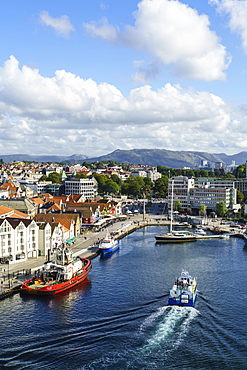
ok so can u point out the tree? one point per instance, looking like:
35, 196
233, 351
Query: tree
240, 196
177, 206
81, 176
221, 209
111, 186
134, 186
43, 178
101, 180
161, 187
88, 165
240, 171
116, 179
202, 209
54, 177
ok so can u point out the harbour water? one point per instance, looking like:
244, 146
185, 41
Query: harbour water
119, 318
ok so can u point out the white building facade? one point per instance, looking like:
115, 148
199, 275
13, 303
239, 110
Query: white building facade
88, 188
18, 239
192, 192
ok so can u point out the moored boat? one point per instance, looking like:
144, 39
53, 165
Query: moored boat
108, 244
65, 272
176, 237
200, 231
184, 291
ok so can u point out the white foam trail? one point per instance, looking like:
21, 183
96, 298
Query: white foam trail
150, 319
174, 326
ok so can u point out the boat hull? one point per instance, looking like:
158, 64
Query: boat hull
111, 249
175, 239
28, 287
178, 302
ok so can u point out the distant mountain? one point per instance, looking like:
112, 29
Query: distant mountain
162, 157
75, 158
239, 158
151, 157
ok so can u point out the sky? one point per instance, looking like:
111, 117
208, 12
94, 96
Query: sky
92, 76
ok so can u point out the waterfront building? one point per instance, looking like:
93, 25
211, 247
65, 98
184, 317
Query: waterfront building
192, 192
210, 196
181, 188
18, 239
69, 221
45, 240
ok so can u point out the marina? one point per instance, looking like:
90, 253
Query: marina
119, 316
87, 248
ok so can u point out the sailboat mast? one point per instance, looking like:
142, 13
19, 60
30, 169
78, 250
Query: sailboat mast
171, 207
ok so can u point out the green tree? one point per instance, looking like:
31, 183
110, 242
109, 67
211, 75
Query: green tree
240, 196
202, 209
81, 176
54, 177
116, 179
161, 187
134, 186
43, 178
88, 165
240, 171
101, 180
177, 206
221, 209
111, 186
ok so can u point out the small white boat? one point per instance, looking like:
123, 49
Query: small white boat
200, 231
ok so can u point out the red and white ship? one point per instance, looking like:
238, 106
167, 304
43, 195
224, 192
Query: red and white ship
55, 277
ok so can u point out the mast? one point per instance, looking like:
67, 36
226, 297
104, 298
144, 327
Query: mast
171, 207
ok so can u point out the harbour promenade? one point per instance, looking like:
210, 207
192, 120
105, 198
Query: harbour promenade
86, 245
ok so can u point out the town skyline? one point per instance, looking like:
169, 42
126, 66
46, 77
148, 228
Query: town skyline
95, 76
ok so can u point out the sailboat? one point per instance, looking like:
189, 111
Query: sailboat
175, 236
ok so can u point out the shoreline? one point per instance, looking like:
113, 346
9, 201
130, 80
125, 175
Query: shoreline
86, 247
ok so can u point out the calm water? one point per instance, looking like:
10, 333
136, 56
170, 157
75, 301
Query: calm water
119, 318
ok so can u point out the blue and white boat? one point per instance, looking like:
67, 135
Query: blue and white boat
184, 291
108, 244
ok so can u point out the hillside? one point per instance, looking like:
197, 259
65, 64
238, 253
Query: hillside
151, 157
162, 157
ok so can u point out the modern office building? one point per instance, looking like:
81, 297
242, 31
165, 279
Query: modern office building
88, 188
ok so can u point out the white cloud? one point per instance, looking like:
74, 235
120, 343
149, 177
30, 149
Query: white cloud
101, 29
48, 115
61, 25
176, 35
237, 11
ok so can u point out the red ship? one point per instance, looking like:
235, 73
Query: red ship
64, 273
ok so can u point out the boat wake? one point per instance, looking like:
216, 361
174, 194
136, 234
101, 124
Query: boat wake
172, 326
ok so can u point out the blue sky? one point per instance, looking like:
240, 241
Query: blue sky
89, 77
